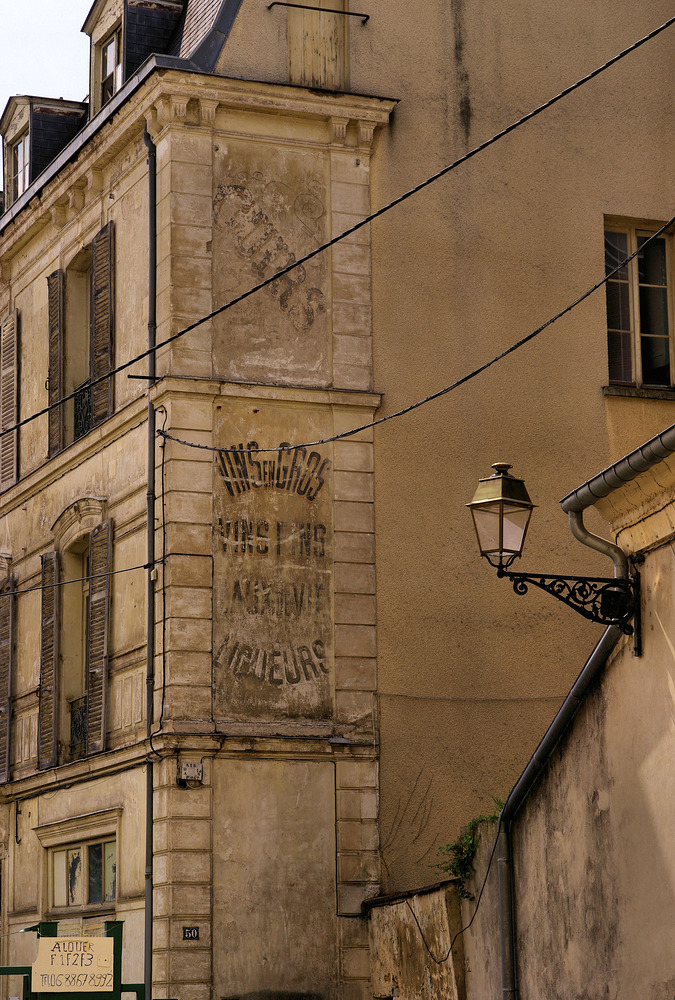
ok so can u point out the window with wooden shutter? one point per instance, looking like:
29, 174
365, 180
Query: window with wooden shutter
9, 400
56, 289
6, 662
318, 46
102, 316
49, 658
100, 551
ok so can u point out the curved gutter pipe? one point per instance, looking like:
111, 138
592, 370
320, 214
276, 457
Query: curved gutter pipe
574, 504
623, 471
150, 561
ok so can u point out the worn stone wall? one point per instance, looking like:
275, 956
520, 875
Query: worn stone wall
266, 634
411, 946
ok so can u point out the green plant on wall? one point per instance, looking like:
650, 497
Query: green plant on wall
460, 853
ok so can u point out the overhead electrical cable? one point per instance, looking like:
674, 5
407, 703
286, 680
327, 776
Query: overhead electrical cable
453, 385
356, 227
75, 579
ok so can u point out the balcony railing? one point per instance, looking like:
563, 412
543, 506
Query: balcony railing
82, 404
78, 727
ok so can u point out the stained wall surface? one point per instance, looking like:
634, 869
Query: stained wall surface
594, 867
464, 269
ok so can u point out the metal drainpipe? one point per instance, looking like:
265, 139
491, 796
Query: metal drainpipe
150, 528
539, 759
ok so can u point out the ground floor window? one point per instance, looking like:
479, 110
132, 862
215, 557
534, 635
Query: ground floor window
84, 874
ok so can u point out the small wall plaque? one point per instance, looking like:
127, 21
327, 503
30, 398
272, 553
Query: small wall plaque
191, 934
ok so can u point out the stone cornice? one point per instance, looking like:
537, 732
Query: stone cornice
177, 96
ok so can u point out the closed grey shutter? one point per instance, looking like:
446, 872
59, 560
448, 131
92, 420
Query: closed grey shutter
49, 659
6, 661
100, 558
9, 399
102, 300
56, 285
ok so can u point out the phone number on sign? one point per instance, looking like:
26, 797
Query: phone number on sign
77, 980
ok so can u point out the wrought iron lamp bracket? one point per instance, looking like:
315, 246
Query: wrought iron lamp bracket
606, 600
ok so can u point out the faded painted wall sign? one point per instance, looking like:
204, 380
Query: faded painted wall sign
73, 965
269, 209
272, 548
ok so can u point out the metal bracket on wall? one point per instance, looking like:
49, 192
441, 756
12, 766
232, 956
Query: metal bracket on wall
322, 10
605, 600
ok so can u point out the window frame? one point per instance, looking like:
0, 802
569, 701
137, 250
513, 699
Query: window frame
95, 333
84, 848
112, 82
80, 531
633, 230
82, 831
19, 175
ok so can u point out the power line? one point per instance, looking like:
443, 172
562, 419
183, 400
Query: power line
434, 958
448, 388
78, 579
356, 227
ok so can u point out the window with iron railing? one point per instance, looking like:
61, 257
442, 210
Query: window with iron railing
82, 410
78, 727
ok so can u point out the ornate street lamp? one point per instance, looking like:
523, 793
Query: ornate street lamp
501, 510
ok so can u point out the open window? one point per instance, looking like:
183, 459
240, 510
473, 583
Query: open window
74, 648
81, 321
111, 65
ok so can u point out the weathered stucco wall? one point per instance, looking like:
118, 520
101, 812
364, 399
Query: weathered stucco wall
461, 271
274, 879
594, 863
594, 847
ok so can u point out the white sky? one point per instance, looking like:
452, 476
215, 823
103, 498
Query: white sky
42, 49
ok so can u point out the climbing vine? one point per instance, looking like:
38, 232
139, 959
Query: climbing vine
460, 853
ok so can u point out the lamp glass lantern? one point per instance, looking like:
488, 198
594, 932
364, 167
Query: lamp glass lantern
501, 510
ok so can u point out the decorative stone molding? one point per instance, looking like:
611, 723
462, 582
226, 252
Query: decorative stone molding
94, 180
339, 130
207, 111
162, 109
178, 107
76, 199
79, 518
366, 132
103, 823
59, 214
5, 564
151, 122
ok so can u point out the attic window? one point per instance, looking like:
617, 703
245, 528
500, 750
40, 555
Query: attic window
19, 154
111, 65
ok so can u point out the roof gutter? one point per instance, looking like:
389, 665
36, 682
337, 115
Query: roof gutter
574, 504
623, 471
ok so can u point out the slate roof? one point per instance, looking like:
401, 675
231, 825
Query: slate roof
197, 20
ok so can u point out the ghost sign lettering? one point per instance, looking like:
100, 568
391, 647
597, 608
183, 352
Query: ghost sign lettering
272, 551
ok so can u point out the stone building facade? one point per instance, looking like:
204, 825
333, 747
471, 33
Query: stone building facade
321, 720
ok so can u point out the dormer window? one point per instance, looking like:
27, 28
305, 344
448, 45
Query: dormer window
19, 160
34, 130
111, 65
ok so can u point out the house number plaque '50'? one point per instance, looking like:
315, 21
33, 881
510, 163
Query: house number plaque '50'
191, 934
